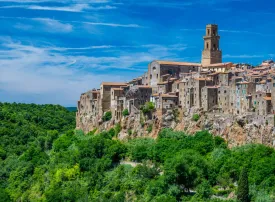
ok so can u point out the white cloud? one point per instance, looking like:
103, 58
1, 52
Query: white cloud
57, 1
69, 8
67, 24
108, 24
52, 25
243, 56
44, 75
32, 71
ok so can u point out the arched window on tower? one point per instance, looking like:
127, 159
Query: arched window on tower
208, 32
214, 47
214, 32
207, 45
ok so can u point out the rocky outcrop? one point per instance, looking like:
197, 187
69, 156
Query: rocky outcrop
234, 129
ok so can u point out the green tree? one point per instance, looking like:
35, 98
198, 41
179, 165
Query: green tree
243, 186
107, 116
204, 190
195, 117
125, 112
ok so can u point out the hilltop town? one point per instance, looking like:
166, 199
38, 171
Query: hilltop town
231, 100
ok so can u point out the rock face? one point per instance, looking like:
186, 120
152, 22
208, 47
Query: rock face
234, 129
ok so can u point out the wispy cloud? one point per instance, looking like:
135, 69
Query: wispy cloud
69, 8
243, 56
46, 72
230, 31
55, 25
47, 20
56, 1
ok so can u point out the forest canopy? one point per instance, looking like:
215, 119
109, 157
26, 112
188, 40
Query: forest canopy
43, 158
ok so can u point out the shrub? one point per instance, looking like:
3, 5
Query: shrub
130, 132
107, 116
148, 107
176, 114
125, 112
117, 128
196, 117
150, 128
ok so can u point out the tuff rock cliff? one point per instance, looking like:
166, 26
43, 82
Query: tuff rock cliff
236, 130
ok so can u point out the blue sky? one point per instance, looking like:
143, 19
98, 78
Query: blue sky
51, 51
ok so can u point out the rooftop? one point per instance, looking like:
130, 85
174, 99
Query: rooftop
113, 84
162, 62
168, 96
219, 65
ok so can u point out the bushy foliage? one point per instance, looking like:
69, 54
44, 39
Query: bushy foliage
125, 112
150, 128
195, 117
107, 116
148, 107
42, 158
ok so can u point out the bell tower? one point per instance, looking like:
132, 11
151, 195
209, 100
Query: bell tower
211, 53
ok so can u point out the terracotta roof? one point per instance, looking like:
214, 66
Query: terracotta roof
113, 84
219, 64
162, 62
168, 96
117, 88
267, 98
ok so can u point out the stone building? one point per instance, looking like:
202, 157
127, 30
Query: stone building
137, 96
105, 95
235, 90
262, 104
157, 69
242, 102
166, 102
117, 104
209, 97
224, 99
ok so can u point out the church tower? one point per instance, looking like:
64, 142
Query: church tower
211, 53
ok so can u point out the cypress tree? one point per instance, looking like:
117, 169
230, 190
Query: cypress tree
243, 186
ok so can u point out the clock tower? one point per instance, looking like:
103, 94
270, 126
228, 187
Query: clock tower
211, 53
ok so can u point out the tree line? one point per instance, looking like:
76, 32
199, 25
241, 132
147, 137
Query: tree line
43, 158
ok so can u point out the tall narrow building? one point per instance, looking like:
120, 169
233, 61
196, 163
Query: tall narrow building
211, 53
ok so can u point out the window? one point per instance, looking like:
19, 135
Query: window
157, 76
207, 45
214, 32
208, 32
150, 76
214, 46
154, 68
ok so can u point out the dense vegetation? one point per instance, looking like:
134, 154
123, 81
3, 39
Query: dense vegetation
42, 158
